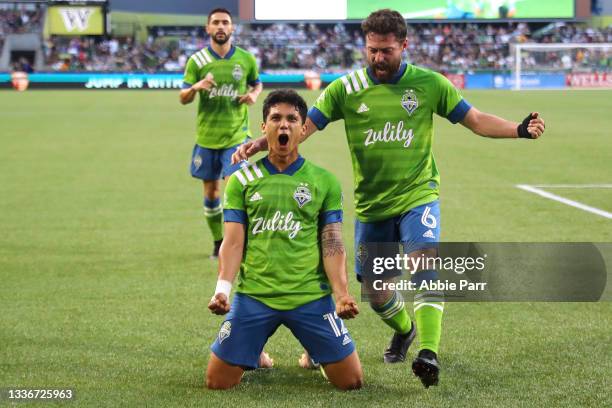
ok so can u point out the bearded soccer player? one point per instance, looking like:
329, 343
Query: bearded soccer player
388, 112
227, 80
283, 235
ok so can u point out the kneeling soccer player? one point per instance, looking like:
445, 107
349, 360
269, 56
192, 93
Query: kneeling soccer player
283, 223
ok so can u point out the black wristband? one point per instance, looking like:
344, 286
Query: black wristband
522, 128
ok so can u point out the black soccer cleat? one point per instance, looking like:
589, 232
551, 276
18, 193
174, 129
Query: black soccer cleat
215, 254
426, 367
396, 352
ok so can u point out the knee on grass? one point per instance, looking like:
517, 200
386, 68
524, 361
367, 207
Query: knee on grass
215, 382
221, 375
349, 382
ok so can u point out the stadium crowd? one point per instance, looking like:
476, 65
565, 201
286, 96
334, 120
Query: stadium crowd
442, 47
319, 47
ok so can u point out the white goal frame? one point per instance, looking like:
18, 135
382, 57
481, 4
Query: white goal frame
518, 48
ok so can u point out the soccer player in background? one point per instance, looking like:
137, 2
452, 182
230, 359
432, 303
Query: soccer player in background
388, 110
227, 79
289, 213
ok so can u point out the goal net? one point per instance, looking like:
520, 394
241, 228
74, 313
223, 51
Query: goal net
568, 65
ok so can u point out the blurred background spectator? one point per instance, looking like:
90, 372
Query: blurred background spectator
20, 19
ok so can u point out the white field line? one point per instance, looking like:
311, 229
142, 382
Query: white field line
567, 201
572, 185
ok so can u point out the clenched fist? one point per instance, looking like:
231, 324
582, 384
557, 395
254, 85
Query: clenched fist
346, 307
219, 304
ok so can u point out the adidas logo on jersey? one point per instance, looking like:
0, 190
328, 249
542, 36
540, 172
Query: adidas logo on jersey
429, 234
363, 108
256, 197
346, 340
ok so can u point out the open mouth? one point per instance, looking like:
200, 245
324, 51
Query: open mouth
283, 139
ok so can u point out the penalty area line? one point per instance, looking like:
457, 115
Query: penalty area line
563, 200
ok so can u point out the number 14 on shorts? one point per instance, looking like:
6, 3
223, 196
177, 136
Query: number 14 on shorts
333, 319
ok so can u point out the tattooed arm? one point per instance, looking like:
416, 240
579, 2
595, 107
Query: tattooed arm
334, 261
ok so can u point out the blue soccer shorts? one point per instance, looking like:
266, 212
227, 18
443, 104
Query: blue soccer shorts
213, 164
250, 323
417, 229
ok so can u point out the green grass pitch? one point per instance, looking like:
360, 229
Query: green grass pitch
105, 277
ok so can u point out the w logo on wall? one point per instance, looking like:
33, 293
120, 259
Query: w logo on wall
76, 18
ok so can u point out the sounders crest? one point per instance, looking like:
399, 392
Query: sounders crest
237, 72
226, 330
197, 161
302, 194
409, 101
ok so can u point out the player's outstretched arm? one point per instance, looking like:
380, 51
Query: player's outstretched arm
334, 262
487, 125
230, 256
253, 147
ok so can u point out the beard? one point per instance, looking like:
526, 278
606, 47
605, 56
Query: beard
384, 71
221, 38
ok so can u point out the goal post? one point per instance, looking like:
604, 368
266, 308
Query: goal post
584, 65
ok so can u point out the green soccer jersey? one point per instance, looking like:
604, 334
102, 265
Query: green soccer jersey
222, 121
389, 129
283, 214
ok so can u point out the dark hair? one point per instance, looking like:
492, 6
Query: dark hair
288, 96
385, 21
219, 10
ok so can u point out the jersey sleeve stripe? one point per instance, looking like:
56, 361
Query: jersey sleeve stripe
238, 216
363, 79
248, 173
197, 60
206, 57
330, 217
354, 81
200, 57
346, 84
257, 170
318, 118
459, 111
240, 177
